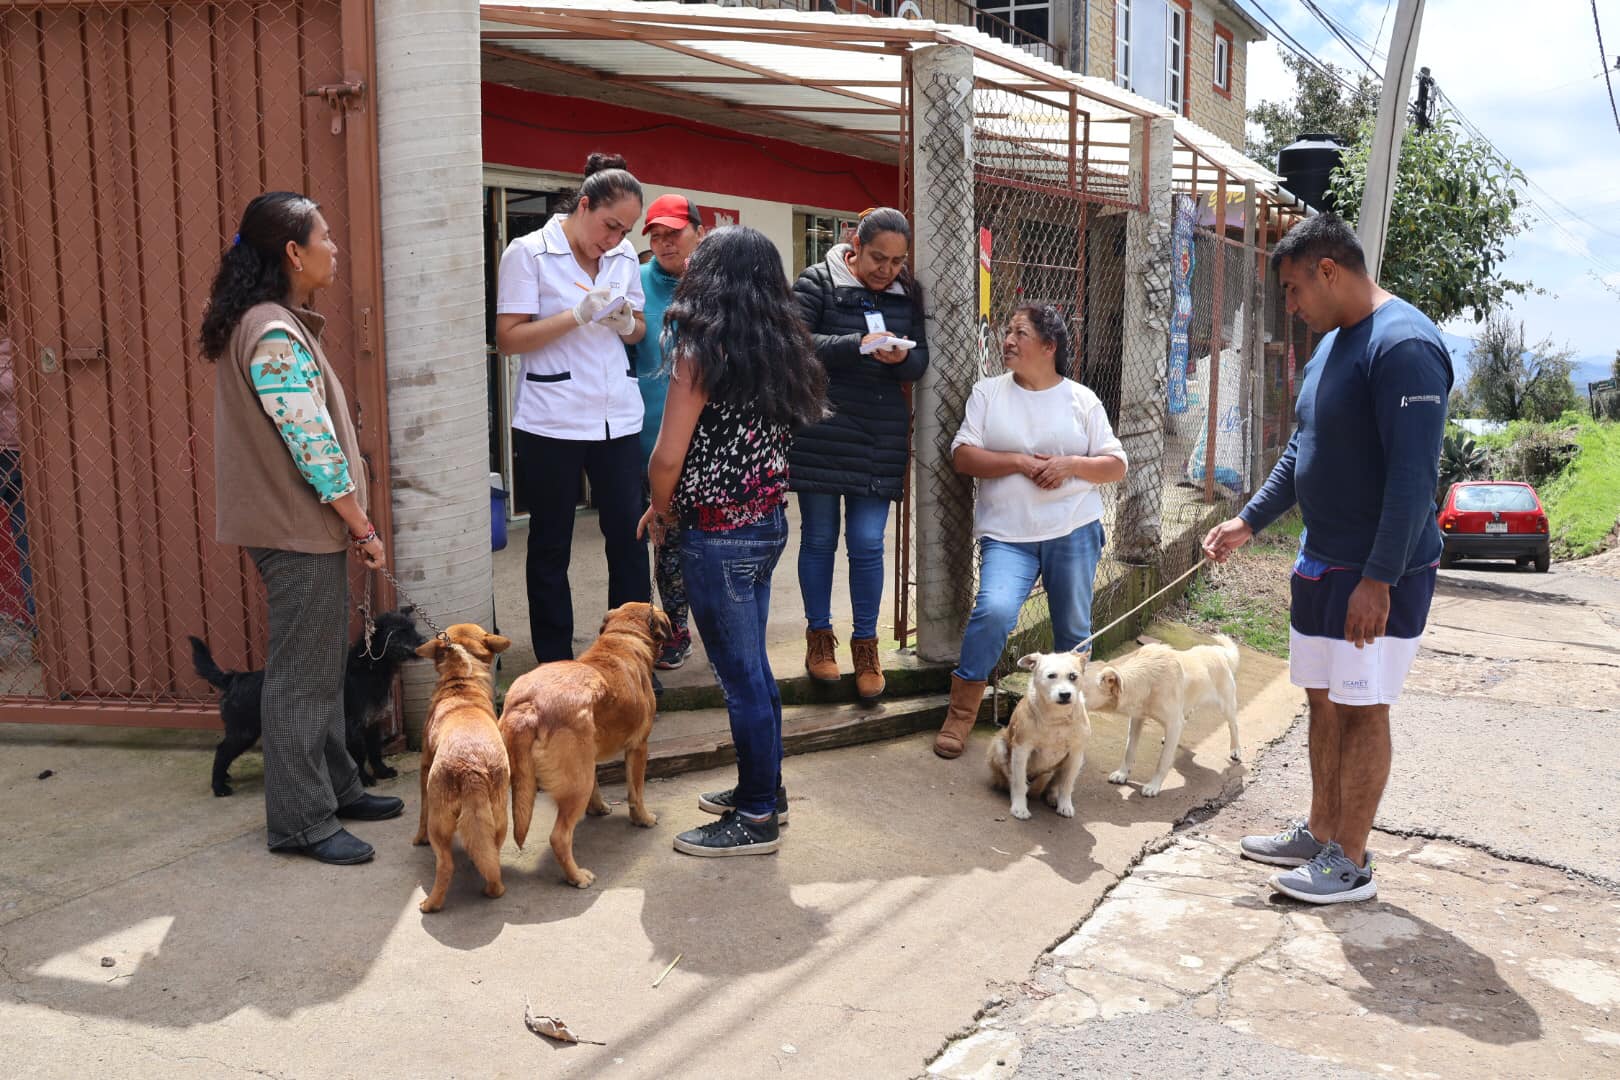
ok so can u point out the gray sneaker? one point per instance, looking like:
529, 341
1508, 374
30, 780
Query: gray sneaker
1330, 878
1294, 846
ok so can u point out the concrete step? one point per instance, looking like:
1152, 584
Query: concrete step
688, 740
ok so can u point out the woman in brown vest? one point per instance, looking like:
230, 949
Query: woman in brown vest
290, 489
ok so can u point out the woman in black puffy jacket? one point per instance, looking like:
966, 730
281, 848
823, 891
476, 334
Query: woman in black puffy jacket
860, 298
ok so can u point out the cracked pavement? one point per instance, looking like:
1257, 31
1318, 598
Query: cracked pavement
1493, 947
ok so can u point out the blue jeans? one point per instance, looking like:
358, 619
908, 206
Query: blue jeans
1007, 572
865, 519
728, 580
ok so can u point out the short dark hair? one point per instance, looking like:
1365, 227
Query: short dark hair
1322, 236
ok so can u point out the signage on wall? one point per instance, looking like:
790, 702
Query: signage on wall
1181, 269
716, 216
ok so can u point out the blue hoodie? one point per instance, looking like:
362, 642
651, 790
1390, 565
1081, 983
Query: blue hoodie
1364, 461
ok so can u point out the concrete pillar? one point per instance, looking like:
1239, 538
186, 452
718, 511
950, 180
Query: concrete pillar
947, 266
430, 157
1146, 343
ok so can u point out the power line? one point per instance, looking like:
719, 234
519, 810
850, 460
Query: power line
1381, 20
1603, 58
1288, 41
1333, 28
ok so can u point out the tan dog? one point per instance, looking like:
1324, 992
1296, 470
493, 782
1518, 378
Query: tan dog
1043, 745
562, 718
465, 777
1166, 684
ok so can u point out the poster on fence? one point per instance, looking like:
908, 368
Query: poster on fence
1231, 447
1181, 271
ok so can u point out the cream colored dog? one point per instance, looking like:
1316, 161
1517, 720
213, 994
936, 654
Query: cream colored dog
1043, 746
1165, 684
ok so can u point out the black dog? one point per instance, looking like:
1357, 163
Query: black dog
366, 685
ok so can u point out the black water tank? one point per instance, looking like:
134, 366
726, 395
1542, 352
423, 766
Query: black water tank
1305, 165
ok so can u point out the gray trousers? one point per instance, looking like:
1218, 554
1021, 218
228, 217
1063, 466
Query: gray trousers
308, 773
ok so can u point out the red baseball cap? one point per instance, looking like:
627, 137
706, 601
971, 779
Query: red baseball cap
672, 212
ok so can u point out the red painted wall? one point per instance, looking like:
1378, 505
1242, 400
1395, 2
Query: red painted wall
544, 131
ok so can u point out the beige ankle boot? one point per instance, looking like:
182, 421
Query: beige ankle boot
966, 697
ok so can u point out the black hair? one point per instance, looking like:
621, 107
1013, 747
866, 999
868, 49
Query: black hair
1321, 236
606, 181
253, 269
1053, 329
886, 219
734, 319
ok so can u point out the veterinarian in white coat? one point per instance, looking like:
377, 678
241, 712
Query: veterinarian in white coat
285, 491
1039, 444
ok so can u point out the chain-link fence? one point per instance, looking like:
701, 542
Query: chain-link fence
131, 137
1168, 318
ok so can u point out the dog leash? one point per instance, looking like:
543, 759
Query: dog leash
995, 689
370, 623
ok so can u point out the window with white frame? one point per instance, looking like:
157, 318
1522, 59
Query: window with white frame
1175, 58
1223, 61
1122, 43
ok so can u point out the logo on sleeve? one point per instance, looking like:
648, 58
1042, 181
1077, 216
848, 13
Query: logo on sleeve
1420, 399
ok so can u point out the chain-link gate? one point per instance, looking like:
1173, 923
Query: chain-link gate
1161, 284
132, 134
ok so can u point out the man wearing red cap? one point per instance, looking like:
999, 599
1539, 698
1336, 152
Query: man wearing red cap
673, 230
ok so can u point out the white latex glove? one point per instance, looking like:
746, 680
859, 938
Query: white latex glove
591, 303
622, 322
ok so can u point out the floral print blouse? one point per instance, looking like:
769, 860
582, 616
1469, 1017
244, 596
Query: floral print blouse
293, 396
736, 469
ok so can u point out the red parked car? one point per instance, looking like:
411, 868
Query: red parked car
1494, 520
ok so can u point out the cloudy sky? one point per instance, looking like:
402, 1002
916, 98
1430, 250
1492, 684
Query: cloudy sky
1529, 76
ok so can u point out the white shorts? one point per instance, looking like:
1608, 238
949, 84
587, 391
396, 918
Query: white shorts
1370, 675
1319, 658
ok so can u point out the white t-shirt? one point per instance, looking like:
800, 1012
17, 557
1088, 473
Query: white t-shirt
1066, 419
583, 385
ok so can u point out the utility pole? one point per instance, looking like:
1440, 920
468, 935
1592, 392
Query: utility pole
1379, 193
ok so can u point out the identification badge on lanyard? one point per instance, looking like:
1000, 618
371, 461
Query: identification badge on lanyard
874, 322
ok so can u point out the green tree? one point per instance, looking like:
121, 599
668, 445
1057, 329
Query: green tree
1456, 207
1511, 382
1320, 103
1456, 201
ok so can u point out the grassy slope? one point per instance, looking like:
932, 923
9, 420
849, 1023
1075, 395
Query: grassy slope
1582, 502
1248, 598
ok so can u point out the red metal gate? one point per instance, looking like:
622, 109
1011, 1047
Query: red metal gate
131, 135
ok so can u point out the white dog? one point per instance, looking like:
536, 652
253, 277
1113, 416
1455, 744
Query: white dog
1166, 685
1044, 744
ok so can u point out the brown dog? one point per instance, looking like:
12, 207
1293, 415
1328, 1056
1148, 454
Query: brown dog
562, 718
465, 776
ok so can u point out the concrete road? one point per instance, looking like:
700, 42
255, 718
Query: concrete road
145, 931
1493, 948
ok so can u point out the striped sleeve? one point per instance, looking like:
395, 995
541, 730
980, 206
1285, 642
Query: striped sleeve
287, 381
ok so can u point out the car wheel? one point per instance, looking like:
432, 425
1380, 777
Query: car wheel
1447, 560
1543, 561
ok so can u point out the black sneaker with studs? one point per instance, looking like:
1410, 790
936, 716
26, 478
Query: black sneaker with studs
723, 802
733, 834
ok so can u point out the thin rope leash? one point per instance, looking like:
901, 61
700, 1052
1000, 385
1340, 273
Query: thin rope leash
995, 687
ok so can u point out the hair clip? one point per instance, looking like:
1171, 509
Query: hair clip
235, 240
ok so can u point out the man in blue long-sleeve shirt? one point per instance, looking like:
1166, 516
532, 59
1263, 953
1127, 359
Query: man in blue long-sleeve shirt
1363, 466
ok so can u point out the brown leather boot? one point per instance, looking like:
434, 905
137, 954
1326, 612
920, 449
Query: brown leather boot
821, 655
869, 681
966, 698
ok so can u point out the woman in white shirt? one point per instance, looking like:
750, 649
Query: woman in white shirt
570, 300
1039, 444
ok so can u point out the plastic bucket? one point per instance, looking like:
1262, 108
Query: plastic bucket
497, 512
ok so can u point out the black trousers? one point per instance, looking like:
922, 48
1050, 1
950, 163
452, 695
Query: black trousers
548, 480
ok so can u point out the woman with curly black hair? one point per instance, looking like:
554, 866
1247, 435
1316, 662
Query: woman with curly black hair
743, 379
1040, 445
289, 488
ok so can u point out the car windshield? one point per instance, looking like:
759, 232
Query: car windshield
1495, 497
